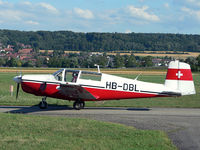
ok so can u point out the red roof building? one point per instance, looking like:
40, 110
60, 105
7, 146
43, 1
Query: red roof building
9, 49
25, 51
12, 55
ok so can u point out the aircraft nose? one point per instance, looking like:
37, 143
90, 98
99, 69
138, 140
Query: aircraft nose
17, 79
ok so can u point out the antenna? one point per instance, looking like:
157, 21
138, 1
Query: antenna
138, 76
97, 68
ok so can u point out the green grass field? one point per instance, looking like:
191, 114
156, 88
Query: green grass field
40, 132
192, 101
22, 132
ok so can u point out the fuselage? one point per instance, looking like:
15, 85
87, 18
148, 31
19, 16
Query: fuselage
90, 86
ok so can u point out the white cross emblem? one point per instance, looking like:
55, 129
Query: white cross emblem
179, 74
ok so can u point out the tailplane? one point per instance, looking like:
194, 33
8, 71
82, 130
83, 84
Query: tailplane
179, 77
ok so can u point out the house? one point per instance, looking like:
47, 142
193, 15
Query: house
25, 51
23, 57
157, 62
7, 50
25, 54
10, 55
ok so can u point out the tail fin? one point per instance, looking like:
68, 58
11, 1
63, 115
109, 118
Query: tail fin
179, 77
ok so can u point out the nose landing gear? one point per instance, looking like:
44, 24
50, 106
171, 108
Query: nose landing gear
43, 104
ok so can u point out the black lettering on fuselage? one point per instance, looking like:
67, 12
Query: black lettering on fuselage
131, 87
114, 85
124, 86
108, 85
136, 88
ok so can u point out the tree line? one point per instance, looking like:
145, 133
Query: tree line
85, 60
103, 42
82, 60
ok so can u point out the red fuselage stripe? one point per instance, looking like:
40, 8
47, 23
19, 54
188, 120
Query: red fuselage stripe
105, 94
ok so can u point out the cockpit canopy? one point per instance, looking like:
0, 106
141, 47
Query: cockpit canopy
66, 75
73, 75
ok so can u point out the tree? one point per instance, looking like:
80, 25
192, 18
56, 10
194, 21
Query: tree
66, 63
74, 62
12, 62
2, 62
147, 61
39, 62
67, 40
130, 61
100, 60
19, 63
55, 62
118, 61
28, 64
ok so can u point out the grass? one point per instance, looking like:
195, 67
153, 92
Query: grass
192, 101
43, 132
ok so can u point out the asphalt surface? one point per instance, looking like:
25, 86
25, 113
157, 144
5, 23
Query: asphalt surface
181, 125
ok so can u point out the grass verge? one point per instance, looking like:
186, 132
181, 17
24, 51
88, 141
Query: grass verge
44, 132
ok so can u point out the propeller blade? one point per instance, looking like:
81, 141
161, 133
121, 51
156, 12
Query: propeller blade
17, 90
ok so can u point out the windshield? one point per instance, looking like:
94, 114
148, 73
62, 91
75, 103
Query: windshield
58, 75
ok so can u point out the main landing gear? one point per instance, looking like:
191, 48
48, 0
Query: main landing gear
43, 104
78, 104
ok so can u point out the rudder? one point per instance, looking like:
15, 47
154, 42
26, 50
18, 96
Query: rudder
179, 77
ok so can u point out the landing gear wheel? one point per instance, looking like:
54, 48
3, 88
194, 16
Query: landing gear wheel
79, 105
82, 104
43, 104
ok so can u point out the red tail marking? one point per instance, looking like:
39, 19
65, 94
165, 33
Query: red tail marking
179, 74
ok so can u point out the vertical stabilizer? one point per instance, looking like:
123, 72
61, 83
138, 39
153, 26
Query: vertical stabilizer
179, 77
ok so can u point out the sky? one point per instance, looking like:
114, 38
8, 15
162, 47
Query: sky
124, 16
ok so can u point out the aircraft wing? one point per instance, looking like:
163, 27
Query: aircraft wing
75, 92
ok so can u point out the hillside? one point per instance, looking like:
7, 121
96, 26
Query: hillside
67, 40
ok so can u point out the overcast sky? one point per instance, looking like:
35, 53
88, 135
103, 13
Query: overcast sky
140, 16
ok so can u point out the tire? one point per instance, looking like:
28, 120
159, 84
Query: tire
43, 105
82, 103
79, 105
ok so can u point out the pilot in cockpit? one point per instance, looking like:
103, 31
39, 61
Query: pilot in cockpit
74, 77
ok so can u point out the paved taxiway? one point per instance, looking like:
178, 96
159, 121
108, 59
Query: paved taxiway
181, 125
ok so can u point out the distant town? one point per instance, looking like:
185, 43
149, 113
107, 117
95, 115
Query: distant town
24, 55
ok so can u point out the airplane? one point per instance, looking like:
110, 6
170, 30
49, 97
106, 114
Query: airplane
80, 86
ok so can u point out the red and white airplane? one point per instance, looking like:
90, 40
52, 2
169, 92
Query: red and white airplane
81, 86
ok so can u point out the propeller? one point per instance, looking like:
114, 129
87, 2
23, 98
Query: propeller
17, 90
18, 80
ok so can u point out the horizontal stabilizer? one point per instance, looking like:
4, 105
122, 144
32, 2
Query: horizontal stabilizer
170, 93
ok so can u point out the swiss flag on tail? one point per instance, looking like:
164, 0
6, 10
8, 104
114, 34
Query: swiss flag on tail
179, 74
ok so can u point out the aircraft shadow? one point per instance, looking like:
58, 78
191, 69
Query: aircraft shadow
118, 108
35, 108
